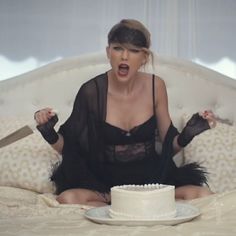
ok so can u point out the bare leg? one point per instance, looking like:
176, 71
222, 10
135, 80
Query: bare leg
84, 197
189, 192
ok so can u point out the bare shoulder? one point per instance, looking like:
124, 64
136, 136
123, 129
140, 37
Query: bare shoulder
148, 76
159, 84
144, 75
145, 78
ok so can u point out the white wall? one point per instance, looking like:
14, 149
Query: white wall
35, 32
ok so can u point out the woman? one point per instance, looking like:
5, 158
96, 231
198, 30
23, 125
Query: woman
110, 137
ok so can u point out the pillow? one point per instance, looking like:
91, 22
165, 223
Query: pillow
215, 149
27, 163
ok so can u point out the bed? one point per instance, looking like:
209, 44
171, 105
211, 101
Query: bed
27, 200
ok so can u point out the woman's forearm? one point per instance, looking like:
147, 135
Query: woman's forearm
58, 146
176, 146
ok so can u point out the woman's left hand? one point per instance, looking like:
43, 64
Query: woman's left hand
209, 116
198, 123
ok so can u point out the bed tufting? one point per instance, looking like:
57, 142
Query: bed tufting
27, 202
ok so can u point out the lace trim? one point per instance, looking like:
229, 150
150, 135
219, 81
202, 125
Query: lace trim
129, 152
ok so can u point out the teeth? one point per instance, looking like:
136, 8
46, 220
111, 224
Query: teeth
124, 66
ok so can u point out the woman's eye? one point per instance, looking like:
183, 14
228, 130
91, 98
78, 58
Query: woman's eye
117, 48
134, 50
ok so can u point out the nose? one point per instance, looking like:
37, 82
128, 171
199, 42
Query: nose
125, 54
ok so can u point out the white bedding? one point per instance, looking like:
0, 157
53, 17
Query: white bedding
23, 212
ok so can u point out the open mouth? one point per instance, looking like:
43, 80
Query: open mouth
123, 70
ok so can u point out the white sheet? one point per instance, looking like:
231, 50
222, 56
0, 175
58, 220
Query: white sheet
27, 213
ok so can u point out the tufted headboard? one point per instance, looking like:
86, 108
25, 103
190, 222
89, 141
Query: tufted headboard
191, 87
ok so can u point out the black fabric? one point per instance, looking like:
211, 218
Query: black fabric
130, 156
194, 126
47, 130
87, 160
169, 173
82, 153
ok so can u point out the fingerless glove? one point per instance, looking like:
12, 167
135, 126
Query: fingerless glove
194, 126
47, 130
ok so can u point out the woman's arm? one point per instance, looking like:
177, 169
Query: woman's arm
162, 111
46, 120
58, 146
198, 123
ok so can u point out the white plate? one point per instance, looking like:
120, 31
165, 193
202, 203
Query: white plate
185, 212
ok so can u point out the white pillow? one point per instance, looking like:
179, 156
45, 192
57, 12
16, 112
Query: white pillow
27, 163
215, 149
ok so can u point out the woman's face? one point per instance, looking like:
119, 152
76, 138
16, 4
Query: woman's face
125, 60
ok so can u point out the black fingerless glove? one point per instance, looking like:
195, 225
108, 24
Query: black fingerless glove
194, 126
47, 130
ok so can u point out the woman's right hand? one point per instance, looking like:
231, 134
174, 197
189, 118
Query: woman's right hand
46, 120
44, 115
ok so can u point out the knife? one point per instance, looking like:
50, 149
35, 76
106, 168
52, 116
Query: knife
17, 135
20, 133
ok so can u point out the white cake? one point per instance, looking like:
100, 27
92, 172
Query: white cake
152, 201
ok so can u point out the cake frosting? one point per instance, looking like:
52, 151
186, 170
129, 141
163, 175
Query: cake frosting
152, 201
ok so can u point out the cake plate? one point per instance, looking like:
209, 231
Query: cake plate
185, 212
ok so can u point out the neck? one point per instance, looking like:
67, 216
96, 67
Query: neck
122, 87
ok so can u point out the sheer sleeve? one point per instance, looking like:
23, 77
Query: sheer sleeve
76, 169
188, 174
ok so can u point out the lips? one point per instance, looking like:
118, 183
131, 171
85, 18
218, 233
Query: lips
123, 69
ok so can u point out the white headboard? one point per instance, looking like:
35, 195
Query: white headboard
191, 87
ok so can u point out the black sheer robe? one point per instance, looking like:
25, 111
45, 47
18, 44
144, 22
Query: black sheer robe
83, 152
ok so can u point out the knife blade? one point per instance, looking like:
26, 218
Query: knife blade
21, 133
16, 135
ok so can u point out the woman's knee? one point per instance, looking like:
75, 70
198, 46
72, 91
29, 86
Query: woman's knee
192, 192
204, 192
72, 196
